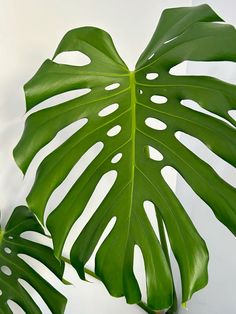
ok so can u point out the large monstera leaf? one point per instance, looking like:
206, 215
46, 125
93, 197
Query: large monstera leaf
14, 270
182, 34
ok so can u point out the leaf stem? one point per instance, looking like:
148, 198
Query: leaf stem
1, 234
87, 270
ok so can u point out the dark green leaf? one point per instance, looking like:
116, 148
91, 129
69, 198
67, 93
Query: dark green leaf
182, 34
13, 268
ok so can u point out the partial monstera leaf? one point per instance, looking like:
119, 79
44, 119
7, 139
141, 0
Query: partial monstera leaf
14, 270
138, 100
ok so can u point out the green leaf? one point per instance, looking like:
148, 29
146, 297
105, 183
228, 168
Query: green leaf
13, 269
182, 34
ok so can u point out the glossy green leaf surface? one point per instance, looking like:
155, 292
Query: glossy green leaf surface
182, 34
14, 270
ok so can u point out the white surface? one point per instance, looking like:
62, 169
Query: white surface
29, 33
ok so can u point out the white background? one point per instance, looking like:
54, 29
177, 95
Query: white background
29, 33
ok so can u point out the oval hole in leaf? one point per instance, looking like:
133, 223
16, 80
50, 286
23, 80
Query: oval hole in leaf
10, 238
151, 76
114, 131
154, 154
15, 307
0, 292
6, 270
116, 158
76, 58
158, 99
151, 56
7, 250
112, 86
169, 40
155, 124
108, 110
140, 91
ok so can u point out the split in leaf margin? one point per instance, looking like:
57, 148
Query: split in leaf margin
190, 33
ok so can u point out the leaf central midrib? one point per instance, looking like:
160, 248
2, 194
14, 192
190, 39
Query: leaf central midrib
133, 139
133, 133
1, 234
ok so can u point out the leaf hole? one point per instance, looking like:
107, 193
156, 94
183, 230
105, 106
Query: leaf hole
114, 131
158, 99
179, 69
78, 169
101, 190
169, 40
6, 270
155, 124
151, 76
7, 250
76, 58
140, 271
188, 103
42, 269
36, 296
232, 114
116, 158
105, 234
225, 170
10, 238
223, 70
36, 237
59, 99
50, 147
169, 174
15, 307
154, 154
150, 211
108, 110
0, 292
140, 91
112, 86
151, 56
